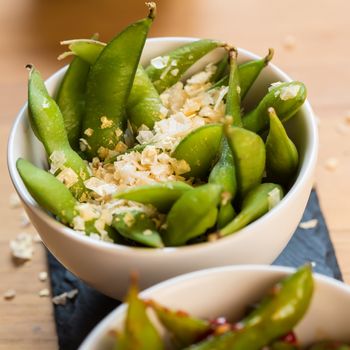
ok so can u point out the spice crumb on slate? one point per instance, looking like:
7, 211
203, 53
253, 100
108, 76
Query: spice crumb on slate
61, 299
308, 224
9, 294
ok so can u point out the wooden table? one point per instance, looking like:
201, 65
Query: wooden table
30, 31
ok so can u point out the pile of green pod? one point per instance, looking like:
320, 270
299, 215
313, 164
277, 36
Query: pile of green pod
240, 168
269, 326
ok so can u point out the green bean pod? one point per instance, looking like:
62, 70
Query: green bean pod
286, 99
233, 97
139, 332
48, 125
249, 154
184, 328
248, 72
200, 149
281, 345
144, 104
330, 345
108, 87
278, 312
138, 227
53, 196
71, 99
221, 69
255, 204
282, 156
196, 210
161, 195
224, 174
175, 63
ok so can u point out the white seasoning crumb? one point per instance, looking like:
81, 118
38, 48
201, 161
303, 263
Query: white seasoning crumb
106, 123
9, 294
331, 164
118, 132
160, 62
57, 158
44, 293
68, 177
289, 92
61, 299
14, 200
42, 276
24, 219
83, 145
22, 246
88, 132
308, 224
274, 197
174, 72
274, 85
313, 263
289, 42
129, 219
147, 232
238, 89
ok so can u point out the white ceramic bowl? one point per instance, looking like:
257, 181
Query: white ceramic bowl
227, 291
107, 267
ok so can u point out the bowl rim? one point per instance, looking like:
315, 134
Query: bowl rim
306, 168
169, 283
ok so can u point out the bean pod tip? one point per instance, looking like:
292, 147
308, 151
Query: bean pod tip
152, 7
269, 56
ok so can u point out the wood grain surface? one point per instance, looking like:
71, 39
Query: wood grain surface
311, 39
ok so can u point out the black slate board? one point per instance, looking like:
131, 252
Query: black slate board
76, 319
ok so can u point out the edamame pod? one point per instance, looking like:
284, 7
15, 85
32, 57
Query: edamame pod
248, 72
285, 98
282, 157
221, 69
184, 328
278, 312
138, 227
139, 332
71, 99
233, 97
256, 203
249, 154
200, 149
144, 105
330, 345
49, 192
196, 210
108, 87
224, 174
164, 71
161, 195
48, 125
280, 345
53, 196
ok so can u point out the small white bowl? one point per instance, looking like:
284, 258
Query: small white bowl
107, 267
227, 291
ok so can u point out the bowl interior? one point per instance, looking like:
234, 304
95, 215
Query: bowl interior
302, 127
227, 291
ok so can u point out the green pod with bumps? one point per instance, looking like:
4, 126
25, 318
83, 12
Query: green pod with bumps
144, 106
281, 345
135, 225
48, 125
196, 210
161, 195
71, 99
278, 312
200, 149
233, 97
108, 87
224, 174
285, 98
184, 328
174, 64
139, 332
255, 204
249, 154
248, 72
282, 156
330, 345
